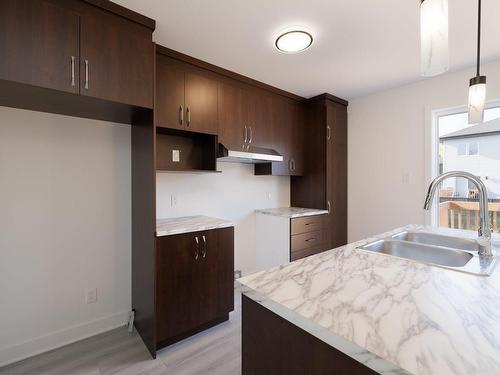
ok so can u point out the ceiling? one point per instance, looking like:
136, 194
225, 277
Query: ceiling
360, 47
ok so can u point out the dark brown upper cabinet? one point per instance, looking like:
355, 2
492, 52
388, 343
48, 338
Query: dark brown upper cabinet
39, 44
117, 60
260, 120
80, 47
287, 127
186, 99
233, 115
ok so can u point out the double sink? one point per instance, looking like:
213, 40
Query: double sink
455, 253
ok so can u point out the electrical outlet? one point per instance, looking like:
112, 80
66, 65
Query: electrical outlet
176, 156
173, 200
268, 195
406, 178
91, 296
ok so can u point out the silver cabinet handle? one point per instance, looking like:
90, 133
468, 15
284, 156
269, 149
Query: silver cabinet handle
290, 164
197, 248
328, 132
73, 71
86, 74
293, 165
251, 135
188, 115
204, 246
181, 115
245, 134
311, 240
328, 206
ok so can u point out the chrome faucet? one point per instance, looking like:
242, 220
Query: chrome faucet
484, 232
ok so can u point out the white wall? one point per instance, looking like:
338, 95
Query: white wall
233, 195
389, 148
64, 227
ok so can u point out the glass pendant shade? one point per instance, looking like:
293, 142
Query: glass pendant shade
434, 46
477, 99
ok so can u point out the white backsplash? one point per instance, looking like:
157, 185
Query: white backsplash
233, 195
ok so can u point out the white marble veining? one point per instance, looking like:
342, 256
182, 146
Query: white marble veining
393, 315
291, 212
178, 225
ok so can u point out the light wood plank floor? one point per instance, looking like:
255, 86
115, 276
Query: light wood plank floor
216, 351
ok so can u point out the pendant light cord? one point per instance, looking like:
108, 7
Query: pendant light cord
478, 36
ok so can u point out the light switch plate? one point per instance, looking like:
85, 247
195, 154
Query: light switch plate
176, 156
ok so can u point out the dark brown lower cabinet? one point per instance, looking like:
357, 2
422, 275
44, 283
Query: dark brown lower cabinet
194, 282
273, 345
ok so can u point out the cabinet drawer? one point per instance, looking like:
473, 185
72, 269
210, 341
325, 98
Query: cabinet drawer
295, 255
307, 240
306, 224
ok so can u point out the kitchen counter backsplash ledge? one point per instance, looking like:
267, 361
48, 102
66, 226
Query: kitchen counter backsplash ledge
188, 224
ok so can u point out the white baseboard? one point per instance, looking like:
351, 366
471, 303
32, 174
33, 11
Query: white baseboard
57, 339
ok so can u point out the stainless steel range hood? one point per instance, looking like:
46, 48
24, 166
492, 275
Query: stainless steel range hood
248, 155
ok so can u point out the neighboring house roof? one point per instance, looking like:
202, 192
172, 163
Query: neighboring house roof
486, 128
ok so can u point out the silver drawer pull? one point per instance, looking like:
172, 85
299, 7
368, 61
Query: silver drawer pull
204, 254
311, 239
73, 71
86, 74
197, 248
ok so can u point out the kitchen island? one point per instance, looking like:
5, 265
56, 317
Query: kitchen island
376, 313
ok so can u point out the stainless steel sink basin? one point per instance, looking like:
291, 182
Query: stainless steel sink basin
438, 240
455, 253
421, 253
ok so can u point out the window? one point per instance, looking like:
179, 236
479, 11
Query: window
462, 149
473, 149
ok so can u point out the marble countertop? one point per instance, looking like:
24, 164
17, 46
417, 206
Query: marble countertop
291, 212
178, 225
393, 315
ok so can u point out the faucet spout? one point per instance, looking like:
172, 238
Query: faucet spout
484, 231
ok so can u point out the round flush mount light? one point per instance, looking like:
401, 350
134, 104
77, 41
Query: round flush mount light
293, 41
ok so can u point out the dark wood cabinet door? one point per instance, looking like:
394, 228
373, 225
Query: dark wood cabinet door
336, 174
177, 285
233, 115
260, 109
201, 103
217, 274
297, 140
39, 44
117, 60
281, 130
169, 105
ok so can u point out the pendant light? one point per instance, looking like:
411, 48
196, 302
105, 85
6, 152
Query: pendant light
477, 85
434, 46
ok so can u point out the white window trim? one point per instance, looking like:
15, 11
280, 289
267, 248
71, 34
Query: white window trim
432, 150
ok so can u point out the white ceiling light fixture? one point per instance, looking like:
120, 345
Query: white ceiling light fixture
293, 40
434, 45
477, 85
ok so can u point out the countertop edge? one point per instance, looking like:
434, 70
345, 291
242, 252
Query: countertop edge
193, 229
345, 346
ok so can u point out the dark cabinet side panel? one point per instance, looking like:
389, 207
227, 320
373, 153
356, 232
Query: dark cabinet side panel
310, 190
337, 174
273, 345
39, 43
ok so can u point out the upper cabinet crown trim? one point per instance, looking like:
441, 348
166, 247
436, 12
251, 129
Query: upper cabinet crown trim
224, 72
327, 96
124, 12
